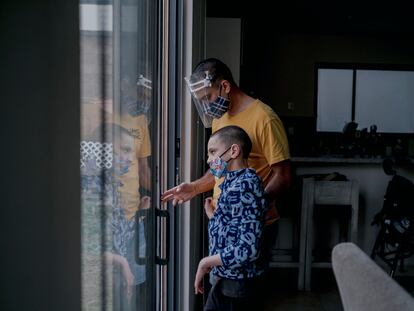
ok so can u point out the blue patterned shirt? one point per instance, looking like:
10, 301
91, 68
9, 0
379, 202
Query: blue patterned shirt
235, 230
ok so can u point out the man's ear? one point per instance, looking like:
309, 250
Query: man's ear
226, 86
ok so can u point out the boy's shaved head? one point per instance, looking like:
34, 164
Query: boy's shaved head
234, 135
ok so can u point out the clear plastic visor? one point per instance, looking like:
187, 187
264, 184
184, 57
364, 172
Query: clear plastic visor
145, 82
144, 89
199, 94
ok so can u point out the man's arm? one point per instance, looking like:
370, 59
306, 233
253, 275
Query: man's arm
144, 172
280, 181
186, 191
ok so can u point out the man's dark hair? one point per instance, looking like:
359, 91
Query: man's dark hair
235, 135
217, 70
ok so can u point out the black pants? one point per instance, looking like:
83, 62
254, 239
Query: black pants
229, 295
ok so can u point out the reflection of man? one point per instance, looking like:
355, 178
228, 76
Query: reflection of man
126, 129
136, 100
133, 143
132, 117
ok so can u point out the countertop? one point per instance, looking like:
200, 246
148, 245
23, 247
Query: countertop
337, 159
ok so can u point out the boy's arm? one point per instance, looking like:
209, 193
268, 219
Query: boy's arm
186, 191
204, 267
123, 263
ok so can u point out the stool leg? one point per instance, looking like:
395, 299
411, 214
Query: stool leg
302, 238
309, 257
309, 233
355, 212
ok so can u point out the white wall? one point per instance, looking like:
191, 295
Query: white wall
223, 41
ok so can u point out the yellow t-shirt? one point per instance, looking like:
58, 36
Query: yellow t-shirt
269, 141
91, 119
137, 127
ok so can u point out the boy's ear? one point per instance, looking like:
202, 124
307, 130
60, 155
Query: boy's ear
235, 151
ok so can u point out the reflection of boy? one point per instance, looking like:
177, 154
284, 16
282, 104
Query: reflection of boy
128, 132
124, 228
235, 228
121, 190
123, 245
134, 173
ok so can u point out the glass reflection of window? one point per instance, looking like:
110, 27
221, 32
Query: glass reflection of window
116, 110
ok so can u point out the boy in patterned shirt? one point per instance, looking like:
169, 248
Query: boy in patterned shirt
235, 228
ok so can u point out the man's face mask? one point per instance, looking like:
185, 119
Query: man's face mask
218, 107
207, 110
218, 167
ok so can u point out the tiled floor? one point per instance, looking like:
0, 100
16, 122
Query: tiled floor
283, 295
324, 296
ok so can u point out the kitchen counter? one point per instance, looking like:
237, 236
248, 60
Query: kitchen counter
333, 159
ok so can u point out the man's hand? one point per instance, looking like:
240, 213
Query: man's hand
186, 191
179, 194
209, 207
145, 202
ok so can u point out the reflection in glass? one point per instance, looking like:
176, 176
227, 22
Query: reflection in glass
115, 157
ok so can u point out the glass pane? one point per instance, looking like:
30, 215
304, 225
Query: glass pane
334, 103
117, 61
390, 94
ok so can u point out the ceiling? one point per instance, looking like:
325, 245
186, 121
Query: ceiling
303, 16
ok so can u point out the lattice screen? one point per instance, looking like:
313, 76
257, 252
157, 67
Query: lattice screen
101, 153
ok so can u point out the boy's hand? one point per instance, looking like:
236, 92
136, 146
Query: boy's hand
203, 269
209, 207
128, 276
125, 268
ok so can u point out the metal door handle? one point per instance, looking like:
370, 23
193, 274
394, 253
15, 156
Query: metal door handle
162, 214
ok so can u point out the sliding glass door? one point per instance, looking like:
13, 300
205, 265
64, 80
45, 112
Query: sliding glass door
123, 230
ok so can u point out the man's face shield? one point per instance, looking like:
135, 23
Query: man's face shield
144, 89
200, 90
145, 82
136, 97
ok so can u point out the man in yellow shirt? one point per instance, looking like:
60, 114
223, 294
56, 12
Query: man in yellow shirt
220, 102
127, 133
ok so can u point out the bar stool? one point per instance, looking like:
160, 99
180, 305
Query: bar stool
330, 194
295, 256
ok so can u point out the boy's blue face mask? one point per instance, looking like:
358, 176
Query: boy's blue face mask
218, 167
